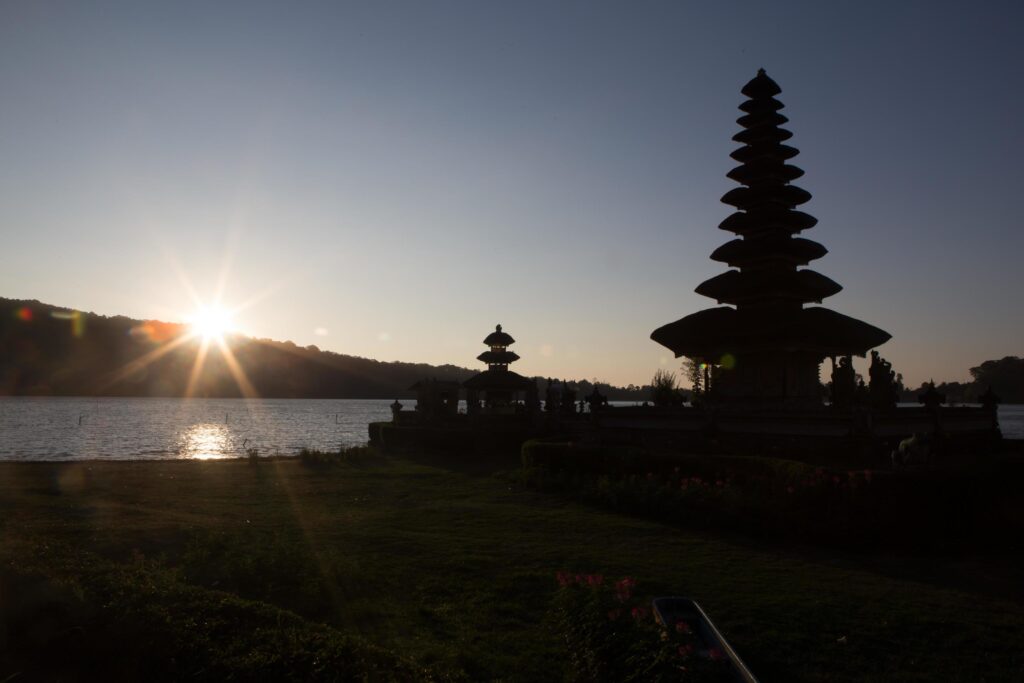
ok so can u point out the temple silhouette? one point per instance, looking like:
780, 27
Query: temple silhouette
499, 387
766, 348
758, 353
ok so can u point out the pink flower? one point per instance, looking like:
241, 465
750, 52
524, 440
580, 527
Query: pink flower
614, 614
867, 476
564, 579
789, 489
719, 483
639, 613
624, 589
715, 654
595, 579
835, 479
683, 627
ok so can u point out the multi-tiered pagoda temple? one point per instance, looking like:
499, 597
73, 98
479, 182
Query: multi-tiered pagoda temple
499, 386
767, 345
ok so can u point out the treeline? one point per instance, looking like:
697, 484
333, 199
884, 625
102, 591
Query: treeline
1005, 377
50, 351
584, 388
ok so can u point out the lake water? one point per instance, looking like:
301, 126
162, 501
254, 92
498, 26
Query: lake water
159, 428
1011, 421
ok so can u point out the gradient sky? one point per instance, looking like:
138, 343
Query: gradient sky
391, 179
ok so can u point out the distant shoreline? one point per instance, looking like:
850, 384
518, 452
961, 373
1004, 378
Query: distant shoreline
956, 404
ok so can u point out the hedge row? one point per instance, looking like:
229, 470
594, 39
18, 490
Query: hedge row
935, 509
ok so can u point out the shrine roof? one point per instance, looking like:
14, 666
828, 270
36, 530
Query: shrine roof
734, 287
499, 338
498, 380
716, 331
498, 357
781, 248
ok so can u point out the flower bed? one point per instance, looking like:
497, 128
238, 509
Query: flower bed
611, 635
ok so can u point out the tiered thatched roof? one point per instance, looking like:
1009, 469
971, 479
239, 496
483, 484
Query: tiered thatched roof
767, 288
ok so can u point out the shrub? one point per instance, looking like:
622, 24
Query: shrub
754, 495
311, 457
665, 389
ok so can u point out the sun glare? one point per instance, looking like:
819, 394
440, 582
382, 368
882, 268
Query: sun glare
211, 322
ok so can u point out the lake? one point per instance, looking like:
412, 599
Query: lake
59, 428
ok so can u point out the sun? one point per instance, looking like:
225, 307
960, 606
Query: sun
211, 322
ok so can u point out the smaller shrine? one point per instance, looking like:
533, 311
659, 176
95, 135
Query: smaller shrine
502, 409
498, 390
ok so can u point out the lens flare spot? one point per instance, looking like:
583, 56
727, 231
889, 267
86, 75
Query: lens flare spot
24, 314
77, 319
155, 332
727, 361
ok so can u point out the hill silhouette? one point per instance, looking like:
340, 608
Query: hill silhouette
47, 350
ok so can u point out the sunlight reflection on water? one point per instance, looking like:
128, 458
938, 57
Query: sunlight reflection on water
206, 442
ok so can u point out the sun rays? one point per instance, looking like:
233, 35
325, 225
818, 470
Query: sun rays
210, 326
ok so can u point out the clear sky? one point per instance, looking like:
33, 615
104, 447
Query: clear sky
391, 179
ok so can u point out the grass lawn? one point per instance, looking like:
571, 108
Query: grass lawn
444, 568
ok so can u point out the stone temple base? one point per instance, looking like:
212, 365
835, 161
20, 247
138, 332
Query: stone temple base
818, 429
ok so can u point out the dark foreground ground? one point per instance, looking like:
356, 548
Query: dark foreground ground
389, 568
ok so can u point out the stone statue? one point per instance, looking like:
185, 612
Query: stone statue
844, 383
551, 401
597, 401
568, 399
931, 398
882, 383
472, 402
989, 400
